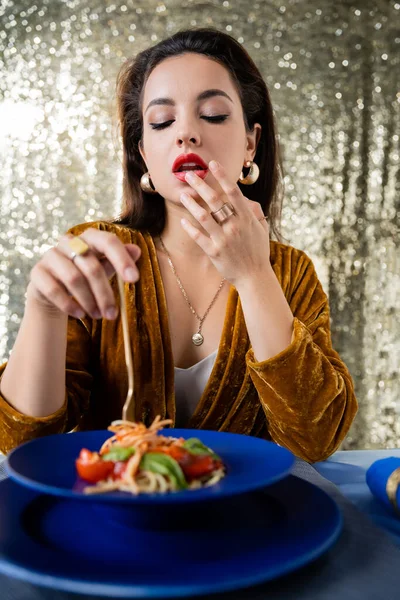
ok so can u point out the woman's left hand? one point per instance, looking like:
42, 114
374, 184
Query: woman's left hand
238, 247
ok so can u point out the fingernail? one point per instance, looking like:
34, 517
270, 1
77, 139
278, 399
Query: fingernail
213, 165
184, 197
111, 313
190, 176
130, 274
97, 314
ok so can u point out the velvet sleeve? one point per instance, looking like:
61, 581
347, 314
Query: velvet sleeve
16, 427
306, 391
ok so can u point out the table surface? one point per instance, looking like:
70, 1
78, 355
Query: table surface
362, 458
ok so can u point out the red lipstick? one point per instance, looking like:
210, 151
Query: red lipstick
189, 162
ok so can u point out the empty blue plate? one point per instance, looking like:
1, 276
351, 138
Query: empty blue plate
207, 547
47, 465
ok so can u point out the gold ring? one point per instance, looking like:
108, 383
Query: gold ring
226, 211
77, 246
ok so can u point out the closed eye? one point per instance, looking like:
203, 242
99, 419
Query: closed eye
215, 119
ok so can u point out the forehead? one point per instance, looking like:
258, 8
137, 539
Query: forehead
186, 76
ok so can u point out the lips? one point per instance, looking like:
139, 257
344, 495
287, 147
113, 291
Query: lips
193, 162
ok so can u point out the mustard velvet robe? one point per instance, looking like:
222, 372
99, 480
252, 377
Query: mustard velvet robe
302, 398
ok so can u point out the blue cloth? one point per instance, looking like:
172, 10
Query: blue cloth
377, 478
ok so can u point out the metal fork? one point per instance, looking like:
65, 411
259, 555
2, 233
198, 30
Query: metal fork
128, 411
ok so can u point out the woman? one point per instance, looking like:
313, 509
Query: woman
230, 331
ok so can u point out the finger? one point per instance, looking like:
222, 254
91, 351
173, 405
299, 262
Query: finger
202, 240
209, 195
96, 272
115, 252
65, 271
265, 226
108, 244
257, 211
204, 218
54, 290
255, 208
99, 285
65, 248
133, 250
263, 220
264, 223
230, 189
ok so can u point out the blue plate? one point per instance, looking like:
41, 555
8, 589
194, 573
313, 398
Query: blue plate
47, 465
217, 546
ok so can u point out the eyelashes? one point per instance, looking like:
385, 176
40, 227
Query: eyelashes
216, 119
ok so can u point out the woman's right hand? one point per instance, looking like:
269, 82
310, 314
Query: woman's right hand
79, 287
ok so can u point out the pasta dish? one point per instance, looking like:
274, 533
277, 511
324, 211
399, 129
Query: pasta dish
138, 459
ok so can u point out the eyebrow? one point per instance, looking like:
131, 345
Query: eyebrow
203, 96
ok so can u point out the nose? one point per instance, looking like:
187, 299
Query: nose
187, 136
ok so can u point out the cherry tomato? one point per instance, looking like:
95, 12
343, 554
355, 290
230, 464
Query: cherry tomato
92, 468
200, 465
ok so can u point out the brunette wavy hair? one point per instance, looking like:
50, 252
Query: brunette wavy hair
143, 211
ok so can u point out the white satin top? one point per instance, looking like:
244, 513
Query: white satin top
189, 387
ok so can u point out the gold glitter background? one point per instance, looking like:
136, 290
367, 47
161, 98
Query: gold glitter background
332, 68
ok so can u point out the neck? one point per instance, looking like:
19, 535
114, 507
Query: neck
178, 243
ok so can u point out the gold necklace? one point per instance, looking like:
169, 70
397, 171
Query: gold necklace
197, 338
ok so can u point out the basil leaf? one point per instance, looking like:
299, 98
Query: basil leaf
157, 462
195, 446
118, 453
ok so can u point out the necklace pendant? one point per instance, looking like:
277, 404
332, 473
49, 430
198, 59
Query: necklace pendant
197, 339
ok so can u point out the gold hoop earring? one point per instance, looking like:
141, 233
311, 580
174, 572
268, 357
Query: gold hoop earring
252, 175
146, 184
